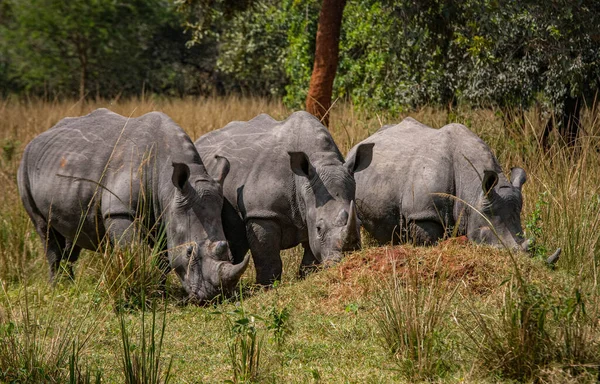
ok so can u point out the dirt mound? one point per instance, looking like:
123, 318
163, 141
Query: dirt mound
479, 270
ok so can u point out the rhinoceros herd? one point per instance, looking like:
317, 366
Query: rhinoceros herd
262, 185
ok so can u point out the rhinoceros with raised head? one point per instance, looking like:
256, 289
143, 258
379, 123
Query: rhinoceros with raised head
89, 177
290, 185
425, 183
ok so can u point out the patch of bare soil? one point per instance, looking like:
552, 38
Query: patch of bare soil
479, 270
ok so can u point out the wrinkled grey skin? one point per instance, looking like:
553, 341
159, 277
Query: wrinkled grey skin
398, 195
94, 171
290, 185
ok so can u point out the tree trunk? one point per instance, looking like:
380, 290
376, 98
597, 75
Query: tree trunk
569, 122
318, 100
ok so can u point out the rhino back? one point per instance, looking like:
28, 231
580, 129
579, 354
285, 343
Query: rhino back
90, 166
260, 182
414, 163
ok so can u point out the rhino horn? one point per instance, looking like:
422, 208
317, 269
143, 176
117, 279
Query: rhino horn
351, 225
525, 245
554, 257
230, 273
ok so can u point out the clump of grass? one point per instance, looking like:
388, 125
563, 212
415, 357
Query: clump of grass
36, 347
534, 330
516, 342
245, 343
411, 321
143, 364
18, 242
134, 272
79, 374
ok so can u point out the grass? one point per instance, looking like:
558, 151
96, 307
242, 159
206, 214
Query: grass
325, 328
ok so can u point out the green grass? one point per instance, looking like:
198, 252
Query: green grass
330, 326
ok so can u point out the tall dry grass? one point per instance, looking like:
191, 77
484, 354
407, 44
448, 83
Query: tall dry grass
567, 178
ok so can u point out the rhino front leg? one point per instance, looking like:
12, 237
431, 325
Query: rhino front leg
264, 237
71, 253
426, 232
309, 261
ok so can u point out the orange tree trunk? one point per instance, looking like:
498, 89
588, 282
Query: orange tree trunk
327, 49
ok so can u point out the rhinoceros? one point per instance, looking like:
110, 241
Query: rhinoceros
89, 177
290, 185
425, 183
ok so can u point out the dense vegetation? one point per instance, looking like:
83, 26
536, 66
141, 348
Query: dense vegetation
394, 54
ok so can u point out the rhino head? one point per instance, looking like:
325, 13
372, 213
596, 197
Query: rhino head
327, 190
198, 251
500, 202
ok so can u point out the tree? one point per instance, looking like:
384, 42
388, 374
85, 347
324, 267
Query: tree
318, 100
98, 47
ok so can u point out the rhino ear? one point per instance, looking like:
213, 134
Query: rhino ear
490, 179
181, 175
299, 163
518, 177
222, 169
361, 159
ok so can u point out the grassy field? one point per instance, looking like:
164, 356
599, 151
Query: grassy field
456, 312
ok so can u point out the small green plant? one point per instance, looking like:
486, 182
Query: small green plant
143, 364
411, 321
245, 343
9, 148
534, 227
279, 324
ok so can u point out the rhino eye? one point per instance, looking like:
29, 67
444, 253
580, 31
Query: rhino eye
189, 251
319, 230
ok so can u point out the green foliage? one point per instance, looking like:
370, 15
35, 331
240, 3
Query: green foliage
57, 48
278, 323
142, 364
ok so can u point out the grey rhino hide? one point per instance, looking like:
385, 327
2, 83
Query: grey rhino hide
404, 194
92, 176
289, 184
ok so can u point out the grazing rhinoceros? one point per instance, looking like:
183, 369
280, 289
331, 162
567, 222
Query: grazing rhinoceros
89, 176
289, 183
405, 193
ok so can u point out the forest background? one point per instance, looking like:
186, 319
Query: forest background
394, 55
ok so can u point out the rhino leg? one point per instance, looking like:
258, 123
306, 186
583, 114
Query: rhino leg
425, 232
384, 230
309, 261
71, 253
55, 247
264, 238
235, 232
